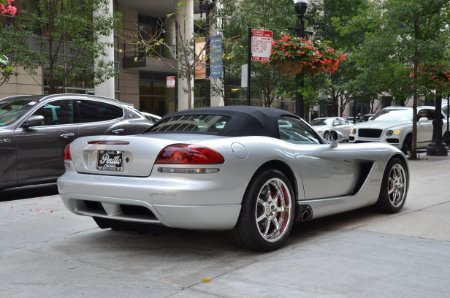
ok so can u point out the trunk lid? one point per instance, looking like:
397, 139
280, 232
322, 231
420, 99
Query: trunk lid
124, 155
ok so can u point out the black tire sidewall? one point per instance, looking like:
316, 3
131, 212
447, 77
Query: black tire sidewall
407, 144
247, 220
383, 203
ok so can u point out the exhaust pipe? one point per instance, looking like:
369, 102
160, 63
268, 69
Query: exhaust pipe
305, 213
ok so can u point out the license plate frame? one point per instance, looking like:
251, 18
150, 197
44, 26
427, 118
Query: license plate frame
110, 161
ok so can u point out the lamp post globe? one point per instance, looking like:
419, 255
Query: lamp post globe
300, 10
206, 6
301, 6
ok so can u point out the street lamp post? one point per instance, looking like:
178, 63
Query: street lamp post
300, 10
205, 7
437, 147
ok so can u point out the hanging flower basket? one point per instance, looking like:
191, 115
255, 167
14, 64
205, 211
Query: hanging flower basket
290, 67
293, 55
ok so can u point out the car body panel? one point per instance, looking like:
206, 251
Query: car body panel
8, 169
327, 177
32, 155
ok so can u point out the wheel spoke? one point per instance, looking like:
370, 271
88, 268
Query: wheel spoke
261, 202
276, 224
267, 227
259, 219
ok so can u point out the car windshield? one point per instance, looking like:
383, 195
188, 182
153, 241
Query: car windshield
12, 108
201, 123
393, 115
321, 121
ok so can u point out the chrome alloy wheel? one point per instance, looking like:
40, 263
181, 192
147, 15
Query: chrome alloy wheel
273, 210
397, 185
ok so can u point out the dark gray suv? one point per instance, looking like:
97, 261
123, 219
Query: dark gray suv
34, 130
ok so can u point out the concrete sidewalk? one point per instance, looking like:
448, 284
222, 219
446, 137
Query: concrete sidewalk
45, 251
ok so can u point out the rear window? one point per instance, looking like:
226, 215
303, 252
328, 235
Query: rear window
92, 111
201, 123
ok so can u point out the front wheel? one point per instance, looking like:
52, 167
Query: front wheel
267, 213
394, 187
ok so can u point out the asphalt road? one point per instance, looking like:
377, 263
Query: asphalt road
45, 251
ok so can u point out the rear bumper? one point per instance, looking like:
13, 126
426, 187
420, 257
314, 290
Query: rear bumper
173, 203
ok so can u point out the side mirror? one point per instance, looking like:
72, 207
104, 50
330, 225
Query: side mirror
335, 137
35, 120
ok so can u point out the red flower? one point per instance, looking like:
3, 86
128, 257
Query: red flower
285, 38
9, 9
315, 57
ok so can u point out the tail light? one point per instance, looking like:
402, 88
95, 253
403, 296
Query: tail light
188, 154
67, 155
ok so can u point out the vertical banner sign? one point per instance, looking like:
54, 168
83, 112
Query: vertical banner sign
216, 63
244, 76
261, 44
171, 81
200, 65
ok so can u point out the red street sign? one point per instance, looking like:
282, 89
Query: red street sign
171, 81
261, 44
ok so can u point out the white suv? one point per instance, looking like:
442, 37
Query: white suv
393, 125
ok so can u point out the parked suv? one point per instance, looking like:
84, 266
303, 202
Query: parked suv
393, 125
34, 131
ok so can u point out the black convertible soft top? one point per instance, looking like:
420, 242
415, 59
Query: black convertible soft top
245, 120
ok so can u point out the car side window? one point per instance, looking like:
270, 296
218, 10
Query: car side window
91, 111
422, 113
57, 112
295, 131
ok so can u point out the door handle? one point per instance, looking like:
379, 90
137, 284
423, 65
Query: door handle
117, 131
67, 135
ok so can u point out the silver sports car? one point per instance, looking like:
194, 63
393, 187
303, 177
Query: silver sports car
252, 172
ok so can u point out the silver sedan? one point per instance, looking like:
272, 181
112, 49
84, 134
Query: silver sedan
252, 172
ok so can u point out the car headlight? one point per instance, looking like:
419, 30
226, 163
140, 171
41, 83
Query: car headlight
391, 132
354, 131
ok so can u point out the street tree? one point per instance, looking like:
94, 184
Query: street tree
238, 17
6, 69
7, 13
409, 51
337, 23
62, 38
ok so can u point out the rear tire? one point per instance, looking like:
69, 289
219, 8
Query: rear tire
394, 187
267, 213
407, 144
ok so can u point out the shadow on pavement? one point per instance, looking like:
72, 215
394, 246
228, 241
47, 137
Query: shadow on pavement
28, 192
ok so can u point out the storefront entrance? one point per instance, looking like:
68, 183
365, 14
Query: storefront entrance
154, 95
